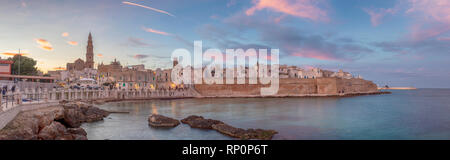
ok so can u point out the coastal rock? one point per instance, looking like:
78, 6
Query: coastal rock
79, 137
260, 134
19, 134
52, 123
229, 130
73, 117
93, 114
44, 121
47, 117
52, 131
99, 102
199, 122
23, 127
57, 131
244, 134
156, 120
75, 114
77, 131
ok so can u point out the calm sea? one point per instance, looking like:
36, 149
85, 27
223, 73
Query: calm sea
404, 114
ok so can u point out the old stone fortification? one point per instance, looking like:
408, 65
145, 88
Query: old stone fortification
292, 87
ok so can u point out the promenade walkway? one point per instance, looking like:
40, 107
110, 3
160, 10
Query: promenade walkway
13, 103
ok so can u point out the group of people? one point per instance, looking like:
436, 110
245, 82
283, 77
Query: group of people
4, 89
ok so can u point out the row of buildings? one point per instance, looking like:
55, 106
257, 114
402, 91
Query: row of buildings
113, 74
137, 76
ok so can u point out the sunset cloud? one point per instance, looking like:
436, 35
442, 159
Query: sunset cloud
73, 43
308, 9
444, 38
47, 48
99, 55
156, 31
59, 68
44, 44
376, 15
147, 7
313, 53
140, 56
137, 42
65, 34
13, 53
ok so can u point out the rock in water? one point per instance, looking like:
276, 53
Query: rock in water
200, 122
260, 134
75, 114
244, 134
156, 120
93, 114
191, 118
229, 130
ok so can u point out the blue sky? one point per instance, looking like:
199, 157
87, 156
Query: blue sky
395, 42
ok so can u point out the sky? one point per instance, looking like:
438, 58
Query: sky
390, 42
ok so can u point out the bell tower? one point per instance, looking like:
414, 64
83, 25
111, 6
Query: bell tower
89, 53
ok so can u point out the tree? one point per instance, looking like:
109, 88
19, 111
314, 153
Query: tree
27, 65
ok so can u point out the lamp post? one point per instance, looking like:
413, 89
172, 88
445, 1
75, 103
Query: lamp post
20, 55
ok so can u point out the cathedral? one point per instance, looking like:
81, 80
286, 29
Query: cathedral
79, 64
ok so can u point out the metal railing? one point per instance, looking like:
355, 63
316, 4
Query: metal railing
38, 95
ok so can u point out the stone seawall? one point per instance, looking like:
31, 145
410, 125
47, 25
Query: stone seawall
292, 87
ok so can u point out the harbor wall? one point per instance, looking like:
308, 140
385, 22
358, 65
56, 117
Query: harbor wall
291, 87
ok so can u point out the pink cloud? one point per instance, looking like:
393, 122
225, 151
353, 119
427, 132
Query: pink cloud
377, 15
433, 18
308, 9
424, 31
436, 10
444, 39
156, 31
313, 53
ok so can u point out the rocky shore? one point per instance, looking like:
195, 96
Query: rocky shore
61, 122
195, 121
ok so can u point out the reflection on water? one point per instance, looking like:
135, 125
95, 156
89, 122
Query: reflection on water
415, 114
